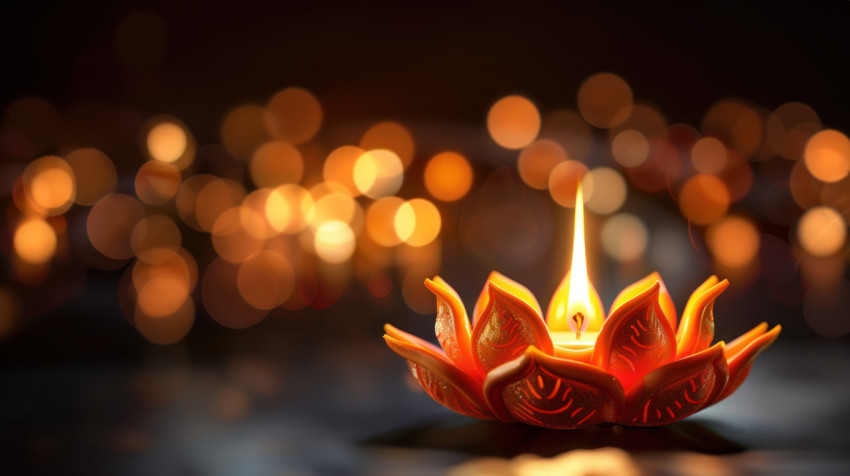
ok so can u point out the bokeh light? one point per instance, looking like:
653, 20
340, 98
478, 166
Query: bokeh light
378, 173
339, 167
94, 175
330, 202
822, 231
276, 163
625, 237
35, 241
704, 199
231, 240
708, 155
334, 241
110, 225
605, 100
266, 279
49, 185
155, 233
243, 130
537, 160
289, 208
733, 241
157, 183
513, 122
827, 155
605, 190
380, 221
789, 127
392, 136
216, 196
659, 171
167, 142
630, 148
736, 124
448, 176
564, 180
417, 222
293, 115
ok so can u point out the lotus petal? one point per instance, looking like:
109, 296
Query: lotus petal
446, 384
507, 326
541, 390
676, 390
507, 284
741, 353
638, 287
696, 331
635, 339
452, 325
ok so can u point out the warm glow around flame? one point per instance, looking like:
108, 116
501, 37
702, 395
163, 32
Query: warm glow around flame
576, 308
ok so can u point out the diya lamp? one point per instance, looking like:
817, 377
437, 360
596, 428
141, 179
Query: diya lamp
637, 366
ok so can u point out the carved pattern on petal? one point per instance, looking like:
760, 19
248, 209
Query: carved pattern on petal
676, 390
635, 339
508, 325
545, 391
444, 393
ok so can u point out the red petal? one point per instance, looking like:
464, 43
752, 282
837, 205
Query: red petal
507, 284
696, 331
452, 324
676, 390
664, 299
636, 339
507, 326
541, 390
741, 353
446, 384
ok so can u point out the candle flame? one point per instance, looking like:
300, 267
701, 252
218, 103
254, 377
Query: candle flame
576, 306
578, 302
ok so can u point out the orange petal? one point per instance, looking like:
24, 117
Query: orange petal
452, 325
741, 353
507, 284
664, 298
676, 390
448, 385
556, 313
696, 330
507, 326
541, 390
636, 339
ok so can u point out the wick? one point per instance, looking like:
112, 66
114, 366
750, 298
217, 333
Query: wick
578, 318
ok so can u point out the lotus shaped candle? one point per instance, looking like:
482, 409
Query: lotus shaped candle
636, 367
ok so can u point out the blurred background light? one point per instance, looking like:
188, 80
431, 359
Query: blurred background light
537, 160
392, 136
822, 231
448, 176
605, 100
293, 115
513, 122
